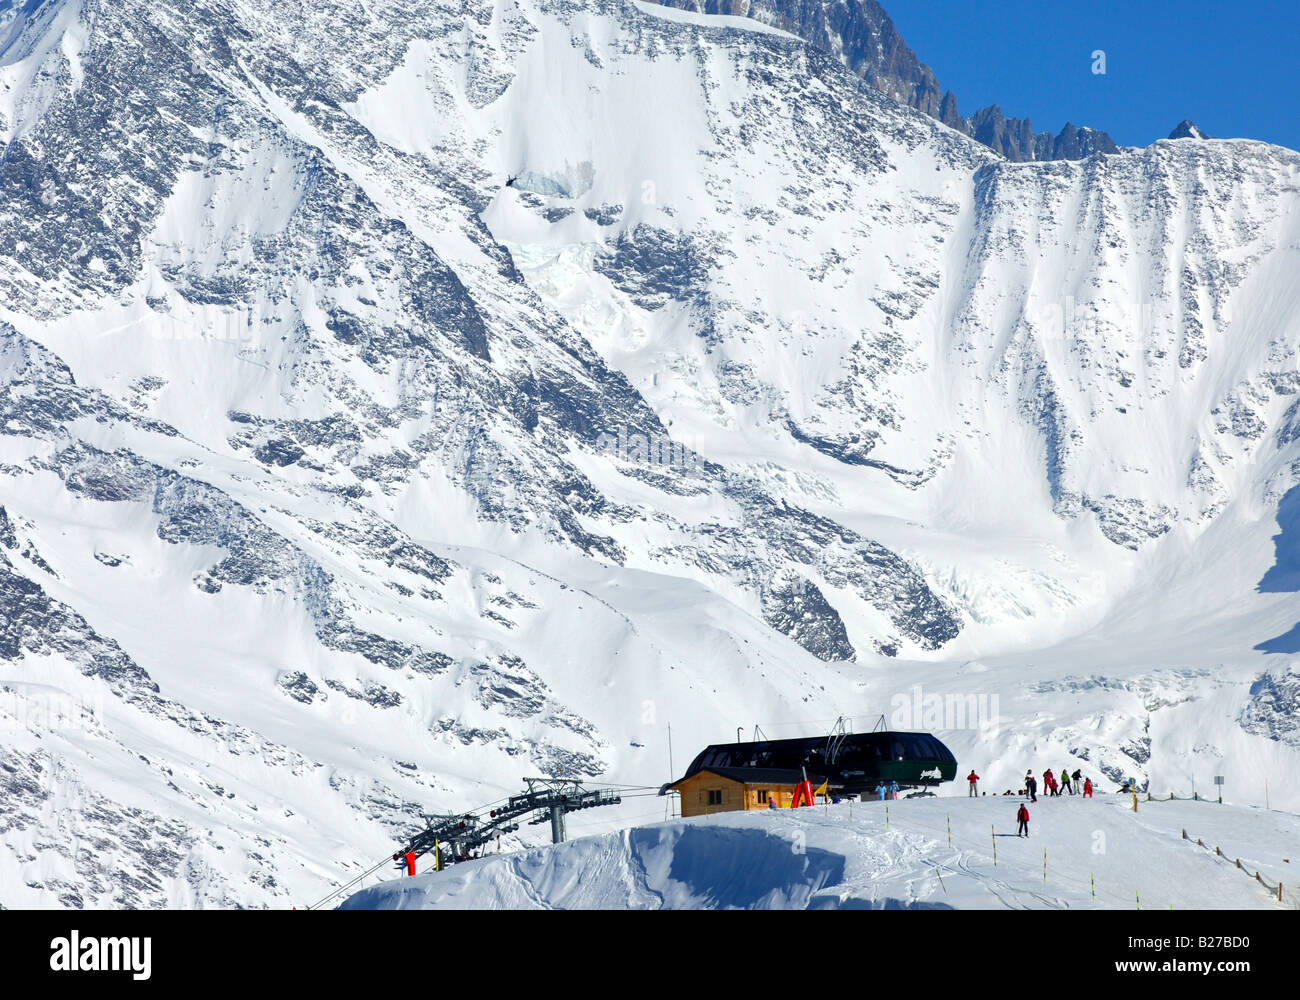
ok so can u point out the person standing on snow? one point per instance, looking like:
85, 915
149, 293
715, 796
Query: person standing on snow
893, 789
973, 778
1087, 788
1031, 786
1077, 778
880, 791
1022, 818
1065, 781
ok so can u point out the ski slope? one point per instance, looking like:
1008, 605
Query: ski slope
851, 856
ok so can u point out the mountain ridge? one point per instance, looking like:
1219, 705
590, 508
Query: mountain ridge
863, 36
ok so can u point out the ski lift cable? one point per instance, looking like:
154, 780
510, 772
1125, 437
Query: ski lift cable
630, 788
801, 722
348, 885
595, 824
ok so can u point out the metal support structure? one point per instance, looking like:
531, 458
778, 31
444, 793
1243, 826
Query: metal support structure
459, 837
838, 734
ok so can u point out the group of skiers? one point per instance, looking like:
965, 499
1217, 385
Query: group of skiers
1052, 786
1071, 783
889, 791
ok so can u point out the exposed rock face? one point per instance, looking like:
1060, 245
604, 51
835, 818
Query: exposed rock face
1274, 707
1015, 139
1185, 129
1012, 138
861, 34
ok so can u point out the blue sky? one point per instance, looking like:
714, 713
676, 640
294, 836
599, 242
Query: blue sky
1233, 69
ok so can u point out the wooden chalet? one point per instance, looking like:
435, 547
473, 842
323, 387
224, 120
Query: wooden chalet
732, 789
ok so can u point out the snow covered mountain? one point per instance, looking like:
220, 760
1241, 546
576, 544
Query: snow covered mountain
402, 399
861, 35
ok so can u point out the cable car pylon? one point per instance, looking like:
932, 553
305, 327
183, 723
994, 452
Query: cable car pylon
458, 836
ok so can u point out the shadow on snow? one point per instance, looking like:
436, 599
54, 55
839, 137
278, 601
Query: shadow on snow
1284, 575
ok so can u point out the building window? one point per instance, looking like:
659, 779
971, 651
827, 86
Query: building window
715, 796
762, 796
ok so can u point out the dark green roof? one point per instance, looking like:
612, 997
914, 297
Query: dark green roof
757, 775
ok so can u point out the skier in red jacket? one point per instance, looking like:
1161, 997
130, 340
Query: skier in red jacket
1087, 788
973, 778
1022, 818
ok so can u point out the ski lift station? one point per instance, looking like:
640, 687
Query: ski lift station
766, 773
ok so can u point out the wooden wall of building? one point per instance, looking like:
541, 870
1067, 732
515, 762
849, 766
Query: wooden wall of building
735, 796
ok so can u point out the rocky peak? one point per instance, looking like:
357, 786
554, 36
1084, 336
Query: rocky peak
859, 32
1186, 129
864, 38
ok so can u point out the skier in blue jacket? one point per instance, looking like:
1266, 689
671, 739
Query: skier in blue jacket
880, 791
893, 789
